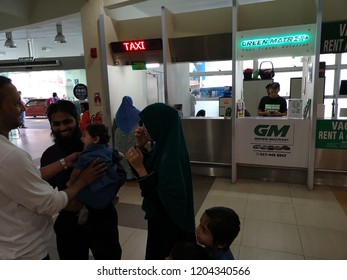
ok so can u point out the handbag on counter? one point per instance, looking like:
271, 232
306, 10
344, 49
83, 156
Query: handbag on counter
266, 73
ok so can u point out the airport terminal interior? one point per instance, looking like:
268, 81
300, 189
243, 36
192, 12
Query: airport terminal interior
281, 219
278, 220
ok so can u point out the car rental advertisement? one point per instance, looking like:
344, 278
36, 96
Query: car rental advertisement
272, 142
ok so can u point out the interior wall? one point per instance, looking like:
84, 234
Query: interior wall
42, 10
19, 13
145, 28
176, 75
111, 36
90, 15
334, 10
202, 23
276, 14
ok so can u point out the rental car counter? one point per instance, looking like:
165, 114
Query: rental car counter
266, 147
272, 147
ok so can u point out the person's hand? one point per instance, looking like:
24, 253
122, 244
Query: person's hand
92, 172
74, 206
135, 159
142, 136
71, 159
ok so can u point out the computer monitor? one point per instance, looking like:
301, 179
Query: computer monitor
343, 87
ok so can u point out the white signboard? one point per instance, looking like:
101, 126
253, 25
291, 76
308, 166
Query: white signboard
272, 141
296, 40
295, 108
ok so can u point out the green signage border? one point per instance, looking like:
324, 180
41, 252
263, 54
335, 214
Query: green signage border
331, 134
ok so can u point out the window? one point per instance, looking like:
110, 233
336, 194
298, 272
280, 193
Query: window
210, 78
329, 58
218, 74
344, 58
41, 84
284, 62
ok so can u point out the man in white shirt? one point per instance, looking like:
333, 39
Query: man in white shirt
27, 202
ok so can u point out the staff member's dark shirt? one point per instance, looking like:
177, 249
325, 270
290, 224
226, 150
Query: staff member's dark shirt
266, 100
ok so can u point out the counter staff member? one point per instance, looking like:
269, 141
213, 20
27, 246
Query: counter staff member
273, 105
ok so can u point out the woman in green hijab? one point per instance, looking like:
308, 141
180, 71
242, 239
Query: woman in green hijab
165, 181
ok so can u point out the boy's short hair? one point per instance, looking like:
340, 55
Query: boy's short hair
186, 250
224, 225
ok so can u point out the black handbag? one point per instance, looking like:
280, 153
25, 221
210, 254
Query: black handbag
266, 73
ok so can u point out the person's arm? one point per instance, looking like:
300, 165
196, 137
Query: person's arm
135, 158
74, 175
49, 171
283, 108
280, 114
263, 113
86, 177
142, 137
261, 108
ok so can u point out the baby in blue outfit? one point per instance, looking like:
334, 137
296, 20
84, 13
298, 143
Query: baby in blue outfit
102, 191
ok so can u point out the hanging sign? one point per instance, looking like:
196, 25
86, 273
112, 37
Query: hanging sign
129, 52
276, 42
80, 91
136, 46
331, 134
334, 37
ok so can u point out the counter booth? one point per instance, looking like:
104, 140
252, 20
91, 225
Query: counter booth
265, 148
274, 148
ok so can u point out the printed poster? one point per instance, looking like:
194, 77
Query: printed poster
272, 141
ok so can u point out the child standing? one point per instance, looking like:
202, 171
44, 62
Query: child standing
102, 191
218, 228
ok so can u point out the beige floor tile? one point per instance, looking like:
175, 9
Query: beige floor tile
323, 217
238, 204
271, 191
270, 211
125, 233
341, 196
129, 194
224, 186
271, 236
135, 246
250, 253
235, 249
321, 243
321, 196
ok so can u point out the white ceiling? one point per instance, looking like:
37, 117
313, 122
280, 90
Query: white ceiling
31, 39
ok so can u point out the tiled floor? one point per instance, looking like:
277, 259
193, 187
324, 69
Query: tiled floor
279, 220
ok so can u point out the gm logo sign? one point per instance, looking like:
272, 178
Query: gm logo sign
271, 130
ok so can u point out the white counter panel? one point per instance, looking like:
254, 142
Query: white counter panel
272, 141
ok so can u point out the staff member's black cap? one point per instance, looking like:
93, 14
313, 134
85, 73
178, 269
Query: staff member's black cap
275, 85
268, 86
